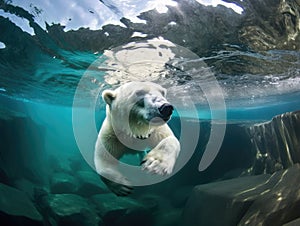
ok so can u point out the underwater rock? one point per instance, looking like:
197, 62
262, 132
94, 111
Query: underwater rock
77, 163
150, 201
4, 177
26, 186
106, 203
63, 183
223, 202
293, 223
170, 217
89, 183
128, 218
56, 165
180, 196
280, 203
22, 149
70, 209
16, 207
161, 207
275, 144
251, 200
117, 211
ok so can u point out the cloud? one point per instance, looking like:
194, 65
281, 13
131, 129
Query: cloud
214, 3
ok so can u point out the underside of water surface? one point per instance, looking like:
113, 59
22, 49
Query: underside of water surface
232, 72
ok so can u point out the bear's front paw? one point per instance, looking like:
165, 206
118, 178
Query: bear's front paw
156, 162
118, 189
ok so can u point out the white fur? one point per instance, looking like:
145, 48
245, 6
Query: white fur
121, 130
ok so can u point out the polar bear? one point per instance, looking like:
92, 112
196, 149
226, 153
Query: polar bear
135, 112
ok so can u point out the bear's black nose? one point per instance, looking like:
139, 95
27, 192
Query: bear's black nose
166, 110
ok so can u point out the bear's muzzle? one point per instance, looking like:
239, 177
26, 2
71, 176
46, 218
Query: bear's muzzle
166, 111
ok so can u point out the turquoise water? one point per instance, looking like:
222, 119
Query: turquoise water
57, 57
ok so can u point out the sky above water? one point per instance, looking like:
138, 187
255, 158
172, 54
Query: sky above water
74, 14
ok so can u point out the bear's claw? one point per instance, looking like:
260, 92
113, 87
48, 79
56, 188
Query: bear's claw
122, 190
156, 165
118, 189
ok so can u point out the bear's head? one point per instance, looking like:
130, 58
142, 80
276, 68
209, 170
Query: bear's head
137, 107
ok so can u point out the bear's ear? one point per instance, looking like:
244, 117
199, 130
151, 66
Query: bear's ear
108, 96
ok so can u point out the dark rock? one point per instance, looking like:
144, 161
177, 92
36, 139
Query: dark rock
233, 174
293, 223
180, 196
26, 186
117, 211
161, 207
280, 203
63, 183
224, 202
275, 144
77, 163
264, 29
89, 183
4, 178
55, 164
252, 200
151, 202
207, 30
15, 207
41, 196
22, 150
128, 217
169, 217
196, 27
110, 202
7, 219
70, 209
95, 40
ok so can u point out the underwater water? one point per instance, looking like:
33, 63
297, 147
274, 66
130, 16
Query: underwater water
232, 71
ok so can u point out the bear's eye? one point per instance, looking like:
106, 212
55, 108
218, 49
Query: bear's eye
140, 103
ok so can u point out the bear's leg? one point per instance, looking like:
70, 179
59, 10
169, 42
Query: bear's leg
107, 167
162, 158
118, 189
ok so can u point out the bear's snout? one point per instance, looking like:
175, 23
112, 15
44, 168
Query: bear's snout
166, 110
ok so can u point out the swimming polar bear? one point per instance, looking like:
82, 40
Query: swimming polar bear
135, 112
